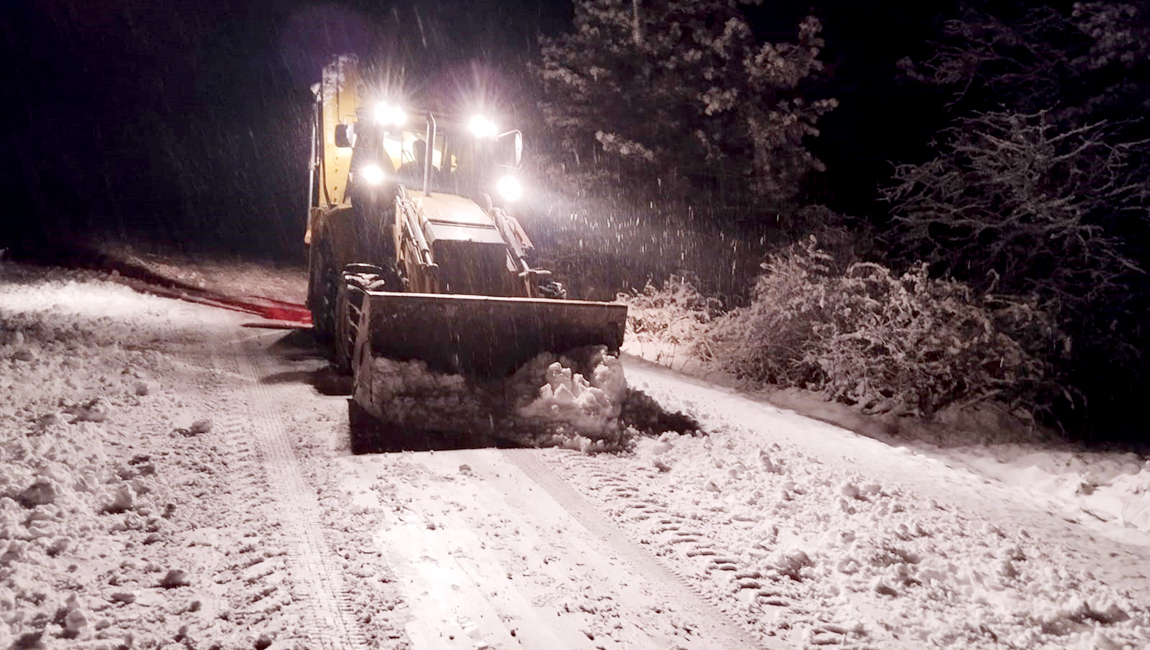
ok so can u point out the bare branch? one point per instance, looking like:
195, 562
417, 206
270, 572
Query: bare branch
1014, 197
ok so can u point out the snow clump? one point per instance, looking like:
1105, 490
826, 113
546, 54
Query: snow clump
572, 400
582, 410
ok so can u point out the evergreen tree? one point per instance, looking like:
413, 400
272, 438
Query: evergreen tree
678, 97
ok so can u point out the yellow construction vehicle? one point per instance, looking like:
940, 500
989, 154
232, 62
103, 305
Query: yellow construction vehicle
413, 253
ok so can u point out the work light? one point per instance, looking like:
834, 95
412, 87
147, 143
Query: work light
372, 174
481, 127
509, 188
389, 115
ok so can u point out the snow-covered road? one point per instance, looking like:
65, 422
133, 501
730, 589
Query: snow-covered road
173, 479
883, 538
488, 548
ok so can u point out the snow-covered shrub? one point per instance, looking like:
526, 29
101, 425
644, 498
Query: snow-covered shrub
1040, 186
671, 320
767, 340
885, 342
847, 239
911, 343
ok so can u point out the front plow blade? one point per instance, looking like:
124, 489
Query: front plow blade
482, 335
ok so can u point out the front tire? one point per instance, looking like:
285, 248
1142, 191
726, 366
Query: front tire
356, 281
347, 328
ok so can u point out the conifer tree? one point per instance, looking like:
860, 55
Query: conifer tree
679, 98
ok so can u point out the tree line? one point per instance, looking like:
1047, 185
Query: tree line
1035, 190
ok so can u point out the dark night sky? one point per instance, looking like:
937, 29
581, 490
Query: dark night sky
187, 120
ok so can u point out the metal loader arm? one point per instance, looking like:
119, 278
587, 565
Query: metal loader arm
410, 230
531, 277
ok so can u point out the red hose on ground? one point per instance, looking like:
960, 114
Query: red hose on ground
279, 314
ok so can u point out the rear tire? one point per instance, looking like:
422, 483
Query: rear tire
323, 293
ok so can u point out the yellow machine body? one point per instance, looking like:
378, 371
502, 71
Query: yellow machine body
417, 263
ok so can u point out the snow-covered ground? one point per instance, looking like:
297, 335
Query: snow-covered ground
136, 509
170, 478
1108, 491
852, 540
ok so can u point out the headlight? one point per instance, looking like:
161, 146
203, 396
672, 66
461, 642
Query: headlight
372, 174
389, 115
481, 127
509, 188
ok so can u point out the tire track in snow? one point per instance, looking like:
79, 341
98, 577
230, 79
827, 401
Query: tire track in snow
250, 569
770, 606
705, 612
317, 576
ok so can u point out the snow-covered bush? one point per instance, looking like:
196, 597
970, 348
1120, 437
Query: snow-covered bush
673, 318
1040, 187
767, 340
904, 344
913, 343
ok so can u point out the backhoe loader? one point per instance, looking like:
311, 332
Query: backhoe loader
413, 252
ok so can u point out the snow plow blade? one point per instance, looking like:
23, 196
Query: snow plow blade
481, 335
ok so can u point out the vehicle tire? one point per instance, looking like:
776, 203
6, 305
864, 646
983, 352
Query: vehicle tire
356, 280
323, 293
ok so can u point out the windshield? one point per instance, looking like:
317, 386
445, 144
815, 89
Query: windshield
460, 162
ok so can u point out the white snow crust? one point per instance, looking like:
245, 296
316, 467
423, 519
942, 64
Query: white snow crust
813, 536
1111, 489
132, 513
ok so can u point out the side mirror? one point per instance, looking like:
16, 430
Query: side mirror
516, 148
342, 137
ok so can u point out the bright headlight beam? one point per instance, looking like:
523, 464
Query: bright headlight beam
389, 115
481, 127
509, 188
372, 174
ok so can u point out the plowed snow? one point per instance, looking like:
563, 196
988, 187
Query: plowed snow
171, 479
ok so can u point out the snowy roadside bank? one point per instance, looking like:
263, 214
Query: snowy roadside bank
1110, 490
134, 508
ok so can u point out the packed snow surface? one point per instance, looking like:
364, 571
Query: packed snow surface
134, 511
1109, 491
145, 503
847, 540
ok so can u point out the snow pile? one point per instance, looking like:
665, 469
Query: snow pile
68, 500
581, 410
572, 400
408, 394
